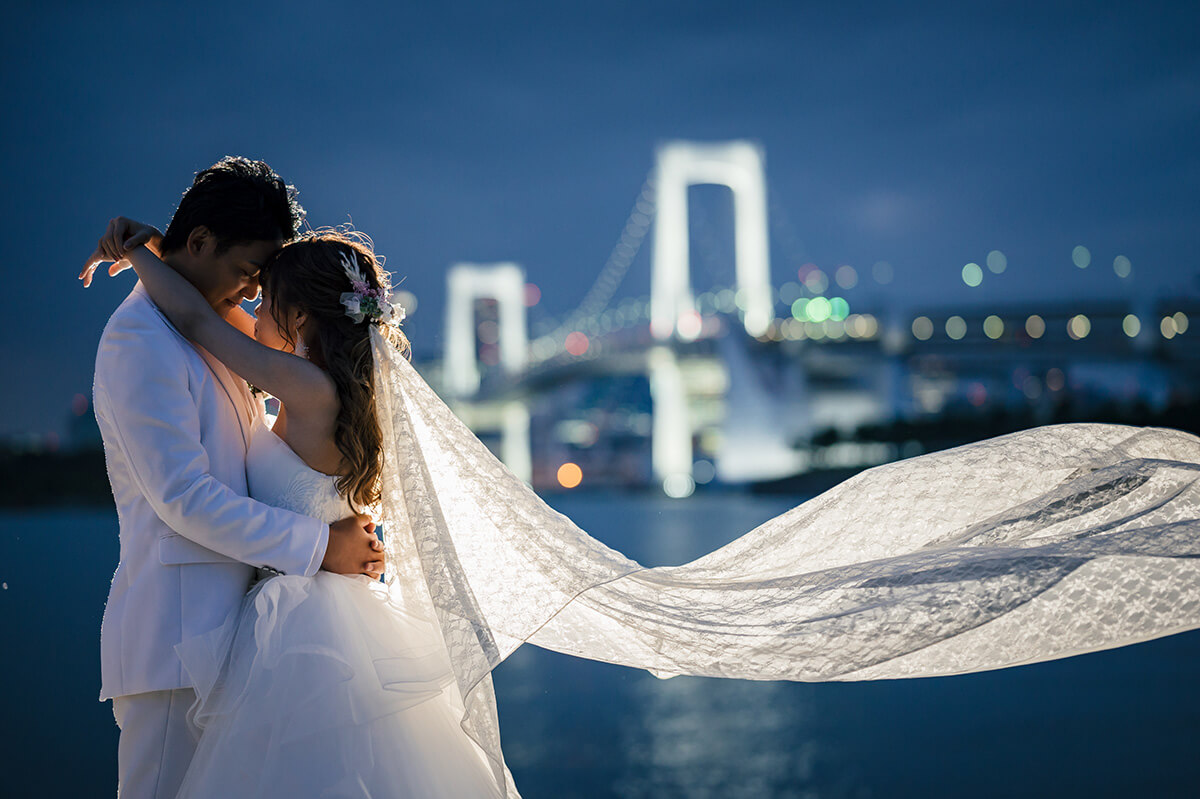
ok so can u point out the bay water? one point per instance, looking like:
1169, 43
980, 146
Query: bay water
1124, 722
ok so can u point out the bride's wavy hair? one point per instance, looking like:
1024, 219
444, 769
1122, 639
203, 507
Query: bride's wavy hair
307, 275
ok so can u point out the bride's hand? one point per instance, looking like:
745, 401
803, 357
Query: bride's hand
121, 236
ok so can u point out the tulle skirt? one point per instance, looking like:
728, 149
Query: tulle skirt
327, 686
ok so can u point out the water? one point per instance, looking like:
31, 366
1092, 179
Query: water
1118, 723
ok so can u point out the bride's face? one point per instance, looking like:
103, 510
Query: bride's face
267, 330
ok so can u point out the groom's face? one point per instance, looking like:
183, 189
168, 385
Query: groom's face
228, 277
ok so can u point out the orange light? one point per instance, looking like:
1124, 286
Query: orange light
569, 475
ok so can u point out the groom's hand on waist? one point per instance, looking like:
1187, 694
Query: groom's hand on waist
354, 548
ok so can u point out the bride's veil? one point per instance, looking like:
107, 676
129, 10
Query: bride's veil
1042, 544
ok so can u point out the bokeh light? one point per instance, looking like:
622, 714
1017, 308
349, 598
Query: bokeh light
406, 300
882, 272
1079, 326
816, 281
997, 262
846, 276
819, 309
1122, 266
533, 295
569, 475
922, 328
1181, 322
577, 343
993, 327
689, 326
704, 471
1131, 325
972, 275
839, 309
1035, 326
1081, 256
956, 327
1055, 379
679, 486
800, 309
489, 332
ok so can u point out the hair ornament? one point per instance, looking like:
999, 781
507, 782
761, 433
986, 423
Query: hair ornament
365, 302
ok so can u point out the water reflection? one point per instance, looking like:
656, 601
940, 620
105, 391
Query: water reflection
700, 737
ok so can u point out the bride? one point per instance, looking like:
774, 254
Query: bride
1038, 545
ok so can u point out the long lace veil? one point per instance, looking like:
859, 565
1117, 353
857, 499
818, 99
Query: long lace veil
1037, 545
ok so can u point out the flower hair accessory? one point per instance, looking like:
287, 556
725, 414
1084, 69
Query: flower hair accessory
365, 302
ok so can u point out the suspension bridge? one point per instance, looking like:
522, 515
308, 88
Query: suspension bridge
727, 373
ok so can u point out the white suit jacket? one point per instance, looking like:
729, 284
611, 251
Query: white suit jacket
176, 425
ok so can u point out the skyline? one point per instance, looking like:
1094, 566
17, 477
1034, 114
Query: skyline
923, 137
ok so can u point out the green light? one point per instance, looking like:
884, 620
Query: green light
798, 309
839, 309
819, 309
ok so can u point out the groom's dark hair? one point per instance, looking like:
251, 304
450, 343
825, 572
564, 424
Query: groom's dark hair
239, 201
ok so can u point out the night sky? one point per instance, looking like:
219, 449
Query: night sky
923, 134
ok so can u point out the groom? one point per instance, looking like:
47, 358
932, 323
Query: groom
176, 425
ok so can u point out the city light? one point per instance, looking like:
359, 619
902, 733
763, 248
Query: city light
533, 295
1079, 327
679, 486
956, 327
816, 281
1055, 379
972, 275
819, 309
1131, 325
406, 300
1122, 266
997, 262
800, 309
1081, 256
846, 276
861, 326
993, 327
569, 475
689, 326
704, 471
577, 343
1035, 326
1174, 325
922, 328
839, 309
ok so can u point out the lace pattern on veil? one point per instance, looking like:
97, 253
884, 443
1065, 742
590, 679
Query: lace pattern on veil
1038, 545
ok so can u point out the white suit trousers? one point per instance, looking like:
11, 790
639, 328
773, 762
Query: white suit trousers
156, 744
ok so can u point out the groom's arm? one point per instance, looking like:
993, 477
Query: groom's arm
142, 389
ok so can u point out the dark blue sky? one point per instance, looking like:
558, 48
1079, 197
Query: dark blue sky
924, 134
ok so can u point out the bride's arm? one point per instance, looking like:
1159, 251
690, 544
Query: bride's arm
299, 384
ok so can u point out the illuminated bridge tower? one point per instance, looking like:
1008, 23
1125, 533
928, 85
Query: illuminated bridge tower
738, 165
504, 283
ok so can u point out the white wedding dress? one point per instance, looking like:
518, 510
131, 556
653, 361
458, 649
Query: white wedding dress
326, 686
1043, 544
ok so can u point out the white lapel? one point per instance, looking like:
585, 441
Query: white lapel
234, 387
